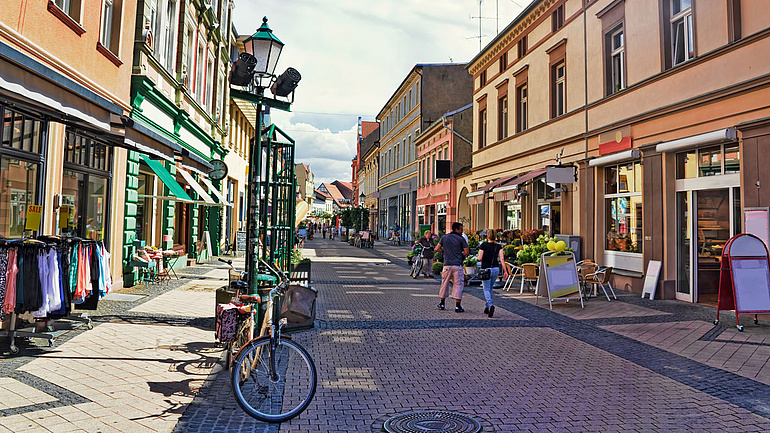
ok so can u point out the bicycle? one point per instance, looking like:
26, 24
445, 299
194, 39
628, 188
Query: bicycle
274, 378
417, 264
396, 238
246, 313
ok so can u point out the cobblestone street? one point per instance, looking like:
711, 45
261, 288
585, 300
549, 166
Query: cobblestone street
382, 348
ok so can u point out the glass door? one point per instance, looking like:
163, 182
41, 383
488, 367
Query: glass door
684, 246
713, 229
706, 219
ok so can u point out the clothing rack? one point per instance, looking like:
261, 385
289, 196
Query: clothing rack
27, 332
56, 243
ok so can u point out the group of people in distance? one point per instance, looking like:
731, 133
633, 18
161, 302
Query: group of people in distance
454, 247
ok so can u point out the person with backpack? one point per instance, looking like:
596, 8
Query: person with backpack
491, 258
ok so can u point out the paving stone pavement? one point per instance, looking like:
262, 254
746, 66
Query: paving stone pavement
136, 371
382, 348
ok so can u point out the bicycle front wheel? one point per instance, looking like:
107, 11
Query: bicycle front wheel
276, 397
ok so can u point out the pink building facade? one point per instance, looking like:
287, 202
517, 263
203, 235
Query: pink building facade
444, 140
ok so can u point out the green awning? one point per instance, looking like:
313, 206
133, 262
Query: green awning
166, 178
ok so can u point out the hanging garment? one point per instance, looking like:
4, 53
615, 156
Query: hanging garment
106, 275
79, 295
91, 301
28, 280
62, 310
3, 270
49, 281
10, 281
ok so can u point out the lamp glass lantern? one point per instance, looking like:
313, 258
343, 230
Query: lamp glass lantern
361, 198
266, 48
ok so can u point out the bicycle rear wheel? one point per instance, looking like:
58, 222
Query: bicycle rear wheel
279, 398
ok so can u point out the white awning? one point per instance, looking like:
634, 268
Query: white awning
47, 101
615, 157
722, 135
475, 193
215, 191
196, 187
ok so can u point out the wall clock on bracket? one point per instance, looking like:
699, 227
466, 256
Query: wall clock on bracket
219, 170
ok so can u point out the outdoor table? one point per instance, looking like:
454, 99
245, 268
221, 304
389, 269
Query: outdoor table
170, 257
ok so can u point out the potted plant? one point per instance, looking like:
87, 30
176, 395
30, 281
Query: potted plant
299, 263
469, 265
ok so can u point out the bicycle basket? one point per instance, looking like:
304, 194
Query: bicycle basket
298, 303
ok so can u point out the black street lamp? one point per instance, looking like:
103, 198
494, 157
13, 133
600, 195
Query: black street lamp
361, 205
255, 69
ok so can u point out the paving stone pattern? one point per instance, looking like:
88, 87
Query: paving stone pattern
383, 348
136, 371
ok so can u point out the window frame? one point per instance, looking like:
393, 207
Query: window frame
687, 19
616, 76
557, 18
502, 117
609, 197
522, 104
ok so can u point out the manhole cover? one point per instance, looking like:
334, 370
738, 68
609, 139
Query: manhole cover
432, 421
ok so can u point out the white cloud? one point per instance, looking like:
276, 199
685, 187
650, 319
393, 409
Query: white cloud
352, 55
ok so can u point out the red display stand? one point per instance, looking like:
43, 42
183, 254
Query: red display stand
744, 278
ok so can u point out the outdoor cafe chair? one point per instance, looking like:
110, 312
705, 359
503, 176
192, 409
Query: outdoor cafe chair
514, 271
529, 274
601, 278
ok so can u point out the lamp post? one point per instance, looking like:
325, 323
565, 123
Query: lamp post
255, 69
361, 205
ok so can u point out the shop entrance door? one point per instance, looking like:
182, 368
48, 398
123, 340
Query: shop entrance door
706, 219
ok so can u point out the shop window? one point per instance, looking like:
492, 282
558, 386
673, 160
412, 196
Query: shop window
18, 190
22, 132
623, 207
22, 143
708, 161
85, 186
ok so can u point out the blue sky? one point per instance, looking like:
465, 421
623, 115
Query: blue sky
352, 55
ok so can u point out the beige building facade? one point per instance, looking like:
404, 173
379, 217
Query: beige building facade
661, 110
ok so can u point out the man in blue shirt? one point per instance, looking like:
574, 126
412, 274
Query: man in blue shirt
455, 248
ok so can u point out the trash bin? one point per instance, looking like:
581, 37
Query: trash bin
572, 241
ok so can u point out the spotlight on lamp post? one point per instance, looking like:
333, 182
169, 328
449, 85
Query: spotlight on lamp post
255, 71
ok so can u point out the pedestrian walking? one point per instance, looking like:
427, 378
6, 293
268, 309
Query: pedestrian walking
427, 254
491, 257
323, 230
455, 248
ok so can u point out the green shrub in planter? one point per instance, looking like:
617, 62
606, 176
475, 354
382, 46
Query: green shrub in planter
437, 268
509, 252
438, 256
470, 261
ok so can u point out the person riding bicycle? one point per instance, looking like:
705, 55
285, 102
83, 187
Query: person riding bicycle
426, 242
396, 233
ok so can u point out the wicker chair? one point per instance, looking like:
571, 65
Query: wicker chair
529, 274
601, 278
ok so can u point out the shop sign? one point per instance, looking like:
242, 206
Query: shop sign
614, 141
34, 213
560, 174
559, 278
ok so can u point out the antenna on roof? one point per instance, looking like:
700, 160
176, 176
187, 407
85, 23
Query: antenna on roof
481, 17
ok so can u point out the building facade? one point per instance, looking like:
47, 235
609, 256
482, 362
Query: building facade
445, 140
425, 94
662, 111
367, 175
304, 175
64, 101
179, 96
